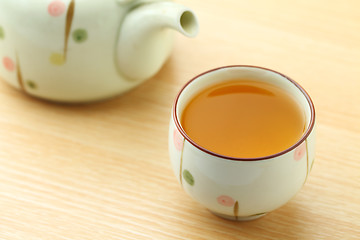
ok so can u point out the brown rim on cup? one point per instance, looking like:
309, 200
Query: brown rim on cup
302, 139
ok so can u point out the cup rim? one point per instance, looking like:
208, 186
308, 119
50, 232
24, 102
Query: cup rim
300, 141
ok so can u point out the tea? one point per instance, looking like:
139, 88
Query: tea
244, 119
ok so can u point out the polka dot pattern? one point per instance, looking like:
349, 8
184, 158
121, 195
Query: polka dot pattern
56, 8
31, 84
80, 35
225, 201
300, 152
2, 33
8, 64
188, 177
57, 59
178, 140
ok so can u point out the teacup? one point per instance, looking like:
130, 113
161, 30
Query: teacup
241, 188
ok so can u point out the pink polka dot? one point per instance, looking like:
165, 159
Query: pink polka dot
56, 8
300, 152
8, 64
178, 140
225, 200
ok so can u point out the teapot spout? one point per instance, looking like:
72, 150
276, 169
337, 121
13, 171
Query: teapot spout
145, 40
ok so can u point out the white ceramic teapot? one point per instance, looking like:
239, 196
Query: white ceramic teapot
81, 50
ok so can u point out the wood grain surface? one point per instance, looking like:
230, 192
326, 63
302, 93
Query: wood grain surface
101, 170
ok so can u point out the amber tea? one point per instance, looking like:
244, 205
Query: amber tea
244, 119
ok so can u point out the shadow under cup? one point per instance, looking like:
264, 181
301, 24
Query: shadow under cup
240, 188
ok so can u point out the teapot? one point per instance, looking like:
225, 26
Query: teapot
81, 51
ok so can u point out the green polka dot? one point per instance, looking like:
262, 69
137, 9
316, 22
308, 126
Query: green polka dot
31, 84
2, 33
188, 177
80, 35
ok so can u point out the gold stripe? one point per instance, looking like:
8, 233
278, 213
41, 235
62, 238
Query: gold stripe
236, 210
257, 214
307, 160
19, 74
69, 19
181, 161
312, 164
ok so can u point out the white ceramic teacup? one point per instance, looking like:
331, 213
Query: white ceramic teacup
241, 188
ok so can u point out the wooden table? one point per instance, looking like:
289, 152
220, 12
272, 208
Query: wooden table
101, 171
